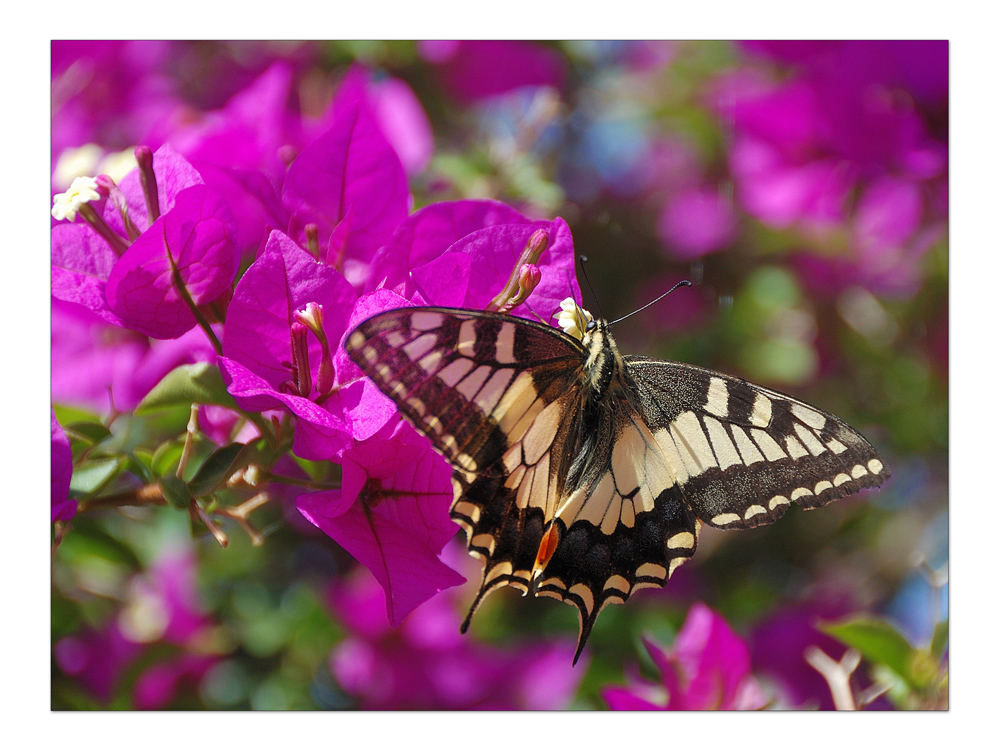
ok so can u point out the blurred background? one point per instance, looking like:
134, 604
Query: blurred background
802, 187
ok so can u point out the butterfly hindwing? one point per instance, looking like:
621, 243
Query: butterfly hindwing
622, 525
743, 453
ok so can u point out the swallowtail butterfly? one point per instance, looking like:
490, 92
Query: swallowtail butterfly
584, 475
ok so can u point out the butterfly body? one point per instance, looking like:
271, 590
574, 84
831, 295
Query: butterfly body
586, 475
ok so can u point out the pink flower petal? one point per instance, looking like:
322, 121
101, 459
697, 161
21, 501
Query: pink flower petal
195, 242
81, 264
351, 167
428, 232
399, 522
63, 509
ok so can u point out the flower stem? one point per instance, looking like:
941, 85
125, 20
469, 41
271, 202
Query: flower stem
186, 296
297, 482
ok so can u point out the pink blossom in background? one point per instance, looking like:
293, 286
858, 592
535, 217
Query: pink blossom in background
249, 131
684, 310
649, 55
472, 70
63, 508
120, 93
695, 222
851, 137
671, 164
109, 92
163, 610
97, 366
160, 684
707, 669
96, 659
403, 122
426, 664
778, 645
238, 152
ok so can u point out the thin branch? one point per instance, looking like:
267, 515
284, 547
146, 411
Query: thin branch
837, 675
148, 495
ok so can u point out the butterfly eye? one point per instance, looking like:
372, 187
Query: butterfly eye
591, 325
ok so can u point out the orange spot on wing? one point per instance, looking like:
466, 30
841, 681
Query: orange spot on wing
547, 547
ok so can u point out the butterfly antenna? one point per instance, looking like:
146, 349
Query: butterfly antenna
583, 267
678, 284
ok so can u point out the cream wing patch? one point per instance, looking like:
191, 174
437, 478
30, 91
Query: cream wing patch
692, 443
717, 399
725, 451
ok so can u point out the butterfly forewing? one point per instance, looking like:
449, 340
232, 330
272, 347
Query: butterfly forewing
465, 379
497, 396
743, 453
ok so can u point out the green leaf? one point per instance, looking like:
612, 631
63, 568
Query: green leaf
176, 492
139, 464
91, 477
219, 466
923, 670
939, 641
318, 470
89, 433
167, 456
92, 541
67, 414
199, 450
200, 383
878, 641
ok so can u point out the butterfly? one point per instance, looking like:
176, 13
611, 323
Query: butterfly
585, 475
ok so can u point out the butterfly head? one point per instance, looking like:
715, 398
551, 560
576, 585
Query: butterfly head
603, 359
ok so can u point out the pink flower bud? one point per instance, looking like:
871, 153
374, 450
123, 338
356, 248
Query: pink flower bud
144, 158
300, 359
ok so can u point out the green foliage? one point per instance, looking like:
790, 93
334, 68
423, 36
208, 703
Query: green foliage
918, 677
200, 383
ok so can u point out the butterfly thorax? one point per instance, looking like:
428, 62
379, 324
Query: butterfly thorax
603, 361
604, 395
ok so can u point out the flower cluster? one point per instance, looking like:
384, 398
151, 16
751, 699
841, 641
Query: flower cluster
426, 664
847, 140
161, 608
157, 254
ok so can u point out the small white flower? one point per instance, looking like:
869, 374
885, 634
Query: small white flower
83, 190
311, 316
573, 319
